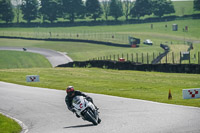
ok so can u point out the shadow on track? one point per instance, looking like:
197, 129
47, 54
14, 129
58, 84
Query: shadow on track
79, 126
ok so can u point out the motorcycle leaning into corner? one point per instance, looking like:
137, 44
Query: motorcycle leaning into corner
85, 109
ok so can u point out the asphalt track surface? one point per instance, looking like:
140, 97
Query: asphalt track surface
55, 58
44, 111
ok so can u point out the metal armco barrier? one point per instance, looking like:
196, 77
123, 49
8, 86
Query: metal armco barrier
191, 93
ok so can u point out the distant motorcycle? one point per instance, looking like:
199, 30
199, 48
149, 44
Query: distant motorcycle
86, 110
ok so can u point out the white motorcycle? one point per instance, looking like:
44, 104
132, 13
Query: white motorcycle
86, 109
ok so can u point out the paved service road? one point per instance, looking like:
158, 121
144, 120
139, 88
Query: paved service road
44, 111
54, 57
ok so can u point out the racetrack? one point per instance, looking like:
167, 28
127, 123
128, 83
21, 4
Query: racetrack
44, 111
54, 57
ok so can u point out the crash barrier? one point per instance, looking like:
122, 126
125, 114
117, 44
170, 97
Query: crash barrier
70, 40
191, 93
32, 78
170, 68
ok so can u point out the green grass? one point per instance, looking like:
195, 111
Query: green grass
184, 8
8, 125
82, 51
121, 32
195, 52
175, 50
151, 86
16, 59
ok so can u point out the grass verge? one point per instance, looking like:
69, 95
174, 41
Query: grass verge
82, 51
17, 59
151, 86
8, 125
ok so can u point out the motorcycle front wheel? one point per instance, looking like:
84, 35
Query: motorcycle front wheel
89, 115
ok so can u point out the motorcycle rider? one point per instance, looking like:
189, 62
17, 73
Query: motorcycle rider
71, 93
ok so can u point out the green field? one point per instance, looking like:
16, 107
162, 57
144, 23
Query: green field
8, 125
81, 51
141, 85
184, 8
85, 51
158, 34
151, 86
16, 59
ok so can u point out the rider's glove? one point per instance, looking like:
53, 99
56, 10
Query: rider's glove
89, 99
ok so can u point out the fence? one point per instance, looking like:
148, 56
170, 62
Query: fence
97, 35
72, 34
142, 58
155, 58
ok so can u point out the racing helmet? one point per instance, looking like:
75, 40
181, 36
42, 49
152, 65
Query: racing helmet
70, 90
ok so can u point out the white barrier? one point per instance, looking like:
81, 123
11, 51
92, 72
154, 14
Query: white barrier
191, 93
32, 78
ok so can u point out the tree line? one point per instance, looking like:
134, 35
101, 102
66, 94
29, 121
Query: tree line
51, 10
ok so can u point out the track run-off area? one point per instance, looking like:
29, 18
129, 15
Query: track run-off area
44, 111
54, 57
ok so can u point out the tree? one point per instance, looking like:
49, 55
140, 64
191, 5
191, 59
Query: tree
74, 8
30, 9
93, 9
18, 10
50, 9
128, 5
141, 8
197, 5
106, 8
6, 11
116, 9
161, 7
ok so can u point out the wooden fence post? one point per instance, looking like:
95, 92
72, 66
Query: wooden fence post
137, 57
142, 59
147, 58
132, 57
180, 57
160, 59
189, 57
173, 57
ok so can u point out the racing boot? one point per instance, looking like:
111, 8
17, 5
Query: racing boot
99, 121
77, 115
